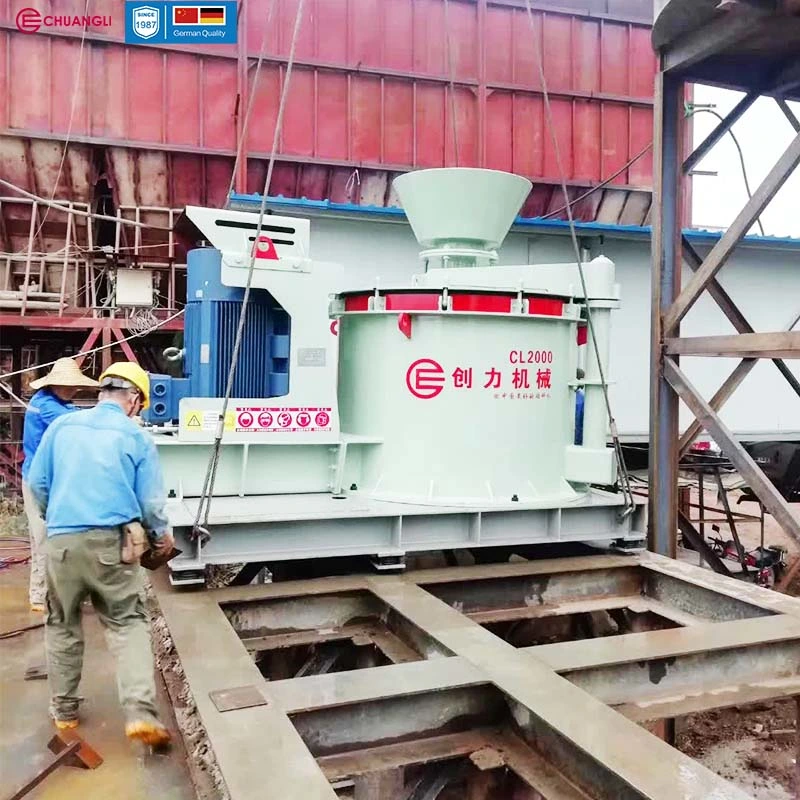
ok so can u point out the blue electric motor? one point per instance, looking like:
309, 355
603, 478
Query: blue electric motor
210, 322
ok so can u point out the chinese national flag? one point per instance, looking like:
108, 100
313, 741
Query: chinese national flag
185, 15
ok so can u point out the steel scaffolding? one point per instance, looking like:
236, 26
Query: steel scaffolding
754, 47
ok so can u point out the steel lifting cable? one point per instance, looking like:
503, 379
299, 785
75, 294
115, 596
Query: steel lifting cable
200, 532
623, 472
250, 101
451, 70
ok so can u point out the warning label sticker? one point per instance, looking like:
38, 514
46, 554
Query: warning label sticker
278, 419
207, 420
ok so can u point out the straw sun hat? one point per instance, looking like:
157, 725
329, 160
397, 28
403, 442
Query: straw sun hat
65, 372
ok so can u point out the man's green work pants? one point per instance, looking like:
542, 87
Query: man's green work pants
81, 565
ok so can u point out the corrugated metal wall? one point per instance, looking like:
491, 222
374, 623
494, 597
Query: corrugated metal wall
370, 90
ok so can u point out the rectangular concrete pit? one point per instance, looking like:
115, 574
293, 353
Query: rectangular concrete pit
567, 710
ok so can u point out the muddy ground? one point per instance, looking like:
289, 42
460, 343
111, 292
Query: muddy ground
752, 746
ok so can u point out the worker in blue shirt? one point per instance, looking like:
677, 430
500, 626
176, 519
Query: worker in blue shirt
96, 476
53, 396
579, 393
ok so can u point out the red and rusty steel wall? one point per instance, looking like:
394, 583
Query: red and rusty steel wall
370, 89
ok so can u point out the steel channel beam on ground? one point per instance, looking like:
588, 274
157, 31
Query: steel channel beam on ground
552, 712
756, 659
486, 677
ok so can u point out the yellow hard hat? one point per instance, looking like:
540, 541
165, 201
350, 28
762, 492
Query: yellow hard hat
133, 373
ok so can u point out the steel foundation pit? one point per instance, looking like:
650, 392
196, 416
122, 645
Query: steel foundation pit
393, 687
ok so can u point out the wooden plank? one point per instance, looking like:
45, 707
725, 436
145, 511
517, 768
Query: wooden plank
780, 344
763, 488
720, 253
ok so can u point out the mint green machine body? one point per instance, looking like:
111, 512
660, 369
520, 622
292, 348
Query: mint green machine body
450, 420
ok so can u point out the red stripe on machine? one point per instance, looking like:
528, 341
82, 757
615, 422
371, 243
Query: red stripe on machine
546, 306
357, 303
412, 302
486, 303
583, 334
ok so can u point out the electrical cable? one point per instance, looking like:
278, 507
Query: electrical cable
600, 185
694, 110
83, 353
200, 534
250, 101
623, 472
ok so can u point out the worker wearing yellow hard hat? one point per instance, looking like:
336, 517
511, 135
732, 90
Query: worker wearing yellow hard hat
97, 479
130, 373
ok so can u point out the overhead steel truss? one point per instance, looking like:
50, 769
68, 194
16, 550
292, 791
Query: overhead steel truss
395, 687
752, 47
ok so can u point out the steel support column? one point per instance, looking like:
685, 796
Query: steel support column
754, 51
666, 282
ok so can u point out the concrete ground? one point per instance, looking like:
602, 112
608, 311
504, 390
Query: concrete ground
129, 771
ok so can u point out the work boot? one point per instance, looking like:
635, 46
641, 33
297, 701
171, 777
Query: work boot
64, 722
148, 731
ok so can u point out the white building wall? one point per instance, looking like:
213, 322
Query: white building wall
764, 282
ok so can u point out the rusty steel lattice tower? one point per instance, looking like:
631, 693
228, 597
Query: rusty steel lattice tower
751, 46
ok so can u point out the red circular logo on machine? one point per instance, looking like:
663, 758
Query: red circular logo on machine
284, 419
335, 327
425, 378
245, 419
29, 20
303, 419
322, 419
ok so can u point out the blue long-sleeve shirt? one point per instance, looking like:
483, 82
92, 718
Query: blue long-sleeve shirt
98, 469
43, 410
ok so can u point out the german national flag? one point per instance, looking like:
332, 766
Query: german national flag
212, 15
